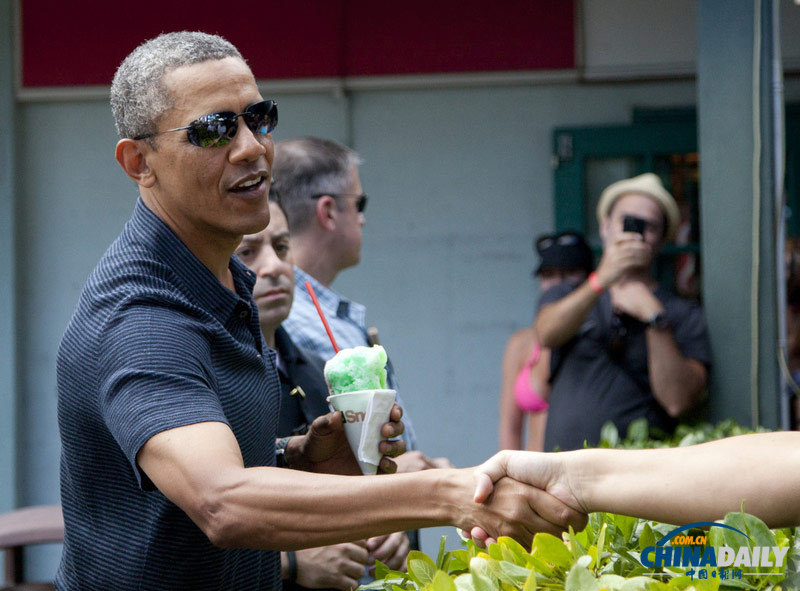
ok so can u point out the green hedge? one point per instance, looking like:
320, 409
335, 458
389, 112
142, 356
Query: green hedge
605, 555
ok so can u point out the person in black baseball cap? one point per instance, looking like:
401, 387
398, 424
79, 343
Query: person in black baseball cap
564, 256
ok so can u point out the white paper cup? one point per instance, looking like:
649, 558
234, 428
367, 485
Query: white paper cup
365, 411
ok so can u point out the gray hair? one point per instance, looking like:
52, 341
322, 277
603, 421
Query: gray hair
309, 166
138, 94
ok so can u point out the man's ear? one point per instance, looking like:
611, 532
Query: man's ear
326, 212
132, 157
604, 228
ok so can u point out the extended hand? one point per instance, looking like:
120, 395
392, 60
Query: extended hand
338, 567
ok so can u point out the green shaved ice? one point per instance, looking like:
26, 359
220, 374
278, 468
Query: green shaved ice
359, 368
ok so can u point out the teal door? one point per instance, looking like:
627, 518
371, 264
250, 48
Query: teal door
664, 142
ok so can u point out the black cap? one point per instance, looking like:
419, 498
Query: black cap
565, 250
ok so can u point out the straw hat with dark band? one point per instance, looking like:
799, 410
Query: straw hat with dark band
645, 184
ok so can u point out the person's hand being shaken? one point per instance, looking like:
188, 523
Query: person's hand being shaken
324, 449
627, 252
556, 501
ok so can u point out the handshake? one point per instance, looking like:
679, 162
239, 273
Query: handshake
522, 493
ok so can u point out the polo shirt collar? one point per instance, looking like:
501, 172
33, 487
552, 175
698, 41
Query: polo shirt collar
333, 304
198, 283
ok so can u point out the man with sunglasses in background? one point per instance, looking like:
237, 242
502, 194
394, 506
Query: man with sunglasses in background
168, 396
318, 185
623, 347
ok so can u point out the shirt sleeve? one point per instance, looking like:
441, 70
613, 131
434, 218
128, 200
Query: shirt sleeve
154, 374
691, 332
554, 294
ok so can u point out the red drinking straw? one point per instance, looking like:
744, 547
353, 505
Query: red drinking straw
314, 299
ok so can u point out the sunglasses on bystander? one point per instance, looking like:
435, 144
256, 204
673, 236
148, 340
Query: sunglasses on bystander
361, 204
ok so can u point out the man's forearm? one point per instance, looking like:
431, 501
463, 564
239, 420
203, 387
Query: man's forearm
695, 483
281, 509
559, 321
677, 382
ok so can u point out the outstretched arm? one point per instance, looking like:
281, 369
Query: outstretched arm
762, 469
199, 467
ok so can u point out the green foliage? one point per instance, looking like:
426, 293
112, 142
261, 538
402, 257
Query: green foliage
605, 555
639, 436
602, 557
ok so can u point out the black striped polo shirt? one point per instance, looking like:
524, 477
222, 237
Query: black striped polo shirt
157, 342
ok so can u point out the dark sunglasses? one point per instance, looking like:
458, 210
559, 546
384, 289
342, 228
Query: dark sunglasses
361, 204
218, 129
562, 239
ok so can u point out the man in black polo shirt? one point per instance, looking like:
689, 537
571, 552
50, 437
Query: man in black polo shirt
168, 395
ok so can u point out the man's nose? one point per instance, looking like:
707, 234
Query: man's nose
267, 264
247, 146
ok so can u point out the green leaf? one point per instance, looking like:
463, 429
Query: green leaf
481, 575
442, 556
601, 541
609, 434
509, 573
580, 579
530, 582
638, 431
793, 563
513, 548
584, 561
646, 538
459, 560
611, 582
442, 582
495, 551
552, 550
464, 582
420, 567
574, 547
625, 525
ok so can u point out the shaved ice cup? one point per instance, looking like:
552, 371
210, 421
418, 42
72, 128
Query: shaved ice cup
365, 411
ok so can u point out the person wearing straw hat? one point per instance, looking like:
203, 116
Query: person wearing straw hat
168, 396
623, 347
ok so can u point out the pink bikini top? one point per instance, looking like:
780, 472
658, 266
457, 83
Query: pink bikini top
527, 398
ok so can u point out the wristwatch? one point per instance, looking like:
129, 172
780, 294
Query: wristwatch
280, 452
658, 321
